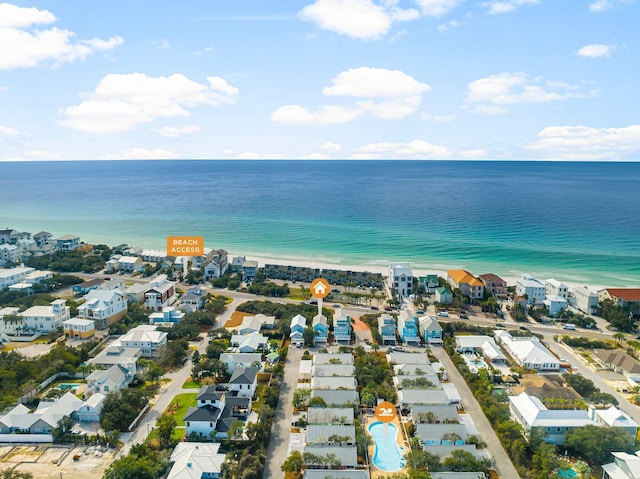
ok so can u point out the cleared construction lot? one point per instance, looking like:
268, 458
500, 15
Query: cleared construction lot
60, 462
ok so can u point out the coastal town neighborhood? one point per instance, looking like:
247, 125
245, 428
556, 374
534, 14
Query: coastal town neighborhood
233, 369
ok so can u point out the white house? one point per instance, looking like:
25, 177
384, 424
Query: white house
532, 414
168, 316
241, 360
105, 307
108, 380
298, 325
555, 305
244, 381
249, 343
624, 466
67, 243
12, 276
556, 288
90, 411
9, 253
401, 279
528, 352
130, 264
78, 328
196, 460
585, 299
160, 294
535, 290
45, 319
146, 338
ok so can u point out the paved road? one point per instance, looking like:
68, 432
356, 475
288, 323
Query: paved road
503, 464
279, 445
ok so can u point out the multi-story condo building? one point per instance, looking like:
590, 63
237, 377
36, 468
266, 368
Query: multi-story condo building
401, 279
534, 289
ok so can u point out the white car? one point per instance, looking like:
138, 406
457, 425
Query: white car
443, 314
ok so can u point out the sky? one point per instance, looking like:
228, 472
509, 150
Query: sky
320, 79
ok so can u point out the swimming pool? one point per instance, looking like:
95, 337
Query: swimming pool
388, 455
68, 386
568, 472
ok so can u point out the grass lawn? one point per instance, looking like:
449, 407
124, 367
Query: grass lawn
178, 434
179, 405
189, 384
262, 385
296, 293
236, 319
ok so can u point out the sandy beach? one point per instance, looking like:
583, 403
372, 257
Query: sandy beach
383, 268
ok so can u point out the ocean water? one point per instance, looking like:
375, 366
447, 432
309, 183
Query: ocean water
576, 222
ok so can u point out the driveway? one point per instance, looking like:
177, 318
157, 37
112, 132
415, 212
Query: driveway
281, 430
502, 463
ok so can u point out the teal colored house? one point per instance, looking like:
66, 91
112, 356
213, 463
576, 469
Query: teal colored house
443, 295
430, 330
429, 282
342, 329
387, 329
321, 329
298, 325
408, 328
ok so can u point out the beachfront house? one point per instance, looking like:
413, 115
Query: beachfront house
531, 288
494, 284
429, 282
68, 243
556, 288
408, 328
467, 283
585, 299
443, 295
387, 329
401, 279
430, 330
298, 325
622, 297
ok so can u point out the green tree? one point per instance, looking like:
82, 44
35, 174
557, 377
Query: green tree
544, 460
422, 460
582, 385
301, 397
603, 399
309, 336
166, 425
293, 463
596, 443
461, 460
13, 474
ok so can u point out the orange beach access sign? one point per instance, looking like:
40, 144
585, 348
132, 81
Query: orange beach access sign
385, 412
185, 245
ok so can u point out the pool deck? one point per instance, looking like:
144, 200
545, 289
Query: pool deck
374, 472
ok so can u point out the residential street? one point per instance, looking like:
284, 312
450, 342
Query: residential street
503, 464
278, 447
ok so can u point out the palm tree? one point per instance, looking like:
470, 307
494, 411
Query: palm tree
375, 346
619, 337
368, 399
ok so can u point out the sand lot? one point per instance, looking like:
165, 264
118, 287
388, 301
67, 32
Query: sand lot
47, 461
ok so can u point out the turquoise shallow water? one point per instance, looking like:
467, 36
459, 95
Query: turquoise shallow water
574, 221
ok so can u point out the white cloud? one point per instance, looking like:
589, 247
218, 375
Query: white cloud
122, 102
594, 50
446, 26
22, 48
362, 19
143, 154
437, 8
586, 143
506, 6
490, 95
355, 18
331, 147
252, 155
176, 131
416, 149
385, 94
598, 6
7, 131
42, 155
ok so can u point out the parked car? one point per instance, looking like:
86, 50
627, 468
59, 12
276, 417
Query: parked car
221, 387
523, 328
375, 308
500, 325
398, 348
419, 311
443, 314
463, 316
388, 308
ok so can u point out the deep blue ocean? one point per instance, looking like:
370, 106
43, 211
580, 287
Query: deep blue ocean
574, 221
